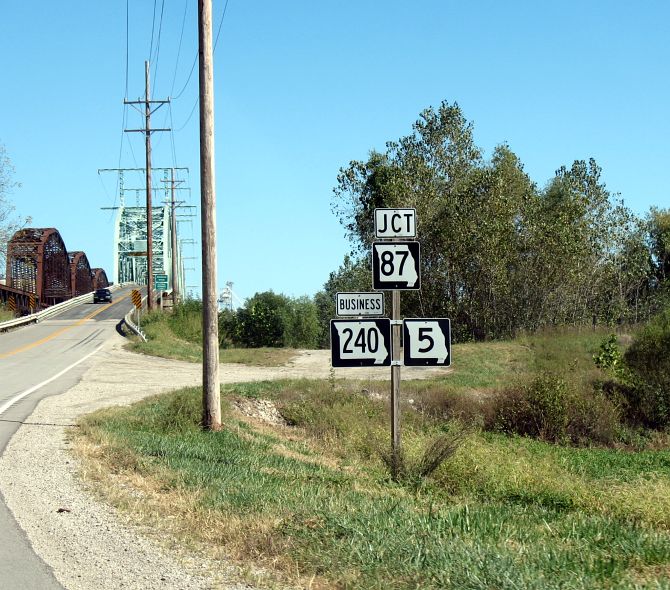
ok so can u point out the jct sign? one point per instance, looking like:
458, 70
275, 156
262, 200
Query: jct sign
395, 223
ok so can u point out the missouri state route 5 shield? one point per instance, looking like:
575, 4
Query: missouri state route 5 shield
427, 342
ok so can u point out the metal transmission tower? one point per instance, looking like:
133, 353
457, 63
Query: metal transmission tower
131, 244
226, 297
147, 130
176, 282
130, 236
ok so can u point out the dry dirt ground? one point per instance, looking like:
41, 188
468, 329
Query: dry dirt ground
90, 545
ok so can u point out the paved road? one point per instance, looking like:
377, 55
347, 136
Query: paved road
35, 362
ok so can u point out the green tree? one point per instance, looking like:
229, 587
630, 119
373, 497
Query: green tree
648, 360
271, 319
659, 234
261, 320
301, 324
9, 224
498, 254
352, 275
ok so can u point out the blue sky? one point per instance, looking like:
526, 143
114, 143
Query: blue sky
304, 87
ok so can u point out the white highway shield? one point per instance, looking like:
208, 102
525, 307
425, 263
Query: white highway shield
427, 342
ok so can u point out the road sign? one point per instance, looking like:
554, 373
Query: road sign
160, 282
31, 302
362, 343
396, 265
11, 303
395, 223
427, 342
136, 298
357, 304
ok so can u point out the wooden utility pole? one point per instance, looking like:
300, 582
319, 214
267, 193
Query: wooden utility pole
211, 410
173, 231
147, 102
395, 385
150, 217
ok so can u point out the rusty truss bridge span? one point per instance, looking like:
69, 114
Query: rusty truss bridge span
41, 272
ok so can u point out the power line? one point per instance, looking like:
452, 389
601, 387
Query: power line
153, 24
189, 117
172, 143
158, 42
216, 42
181, 36
218, 31
195, 59
127, 52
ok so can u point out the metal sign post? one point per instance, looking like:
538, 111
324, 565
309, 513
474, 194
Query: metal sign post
395, 386
136, 298
396, 266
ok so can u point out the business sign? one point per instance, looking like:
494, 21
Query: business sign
395, 223
427, 342
396, 265
359, 304
161, 282
362, 343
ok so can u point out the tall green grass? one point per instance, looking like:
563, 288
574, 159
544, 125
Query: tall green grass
179, 336
5, 314
314, 501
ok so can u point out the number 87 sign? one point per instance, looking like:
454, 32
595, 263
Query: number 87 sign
396, 265
360, 343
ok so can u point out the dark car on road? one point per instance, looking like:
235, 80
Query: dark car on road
102, 295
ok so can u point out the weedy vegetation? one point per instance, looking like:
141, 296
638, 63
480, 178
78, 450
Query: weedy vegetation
179, 336
522, 469
5, 314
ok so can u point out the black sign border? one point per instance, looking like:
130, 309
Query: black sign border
356, 315
383, 324
410, 362
380, 285
374, 220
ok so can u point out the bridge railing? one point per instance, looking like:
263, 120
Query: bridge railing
49, 311
131, 321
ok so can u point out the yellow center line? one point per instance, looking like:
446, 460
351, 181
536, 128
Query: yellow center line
59, 332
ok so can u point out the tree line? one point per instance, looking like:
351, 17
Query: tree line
9, 223
500, 253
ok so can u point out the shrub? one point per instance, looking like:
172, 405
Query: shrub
648, 361
468, 407
271, 319
432, 454
547, 408
186, 320
610, 358
301, 324
539, 409
594, 418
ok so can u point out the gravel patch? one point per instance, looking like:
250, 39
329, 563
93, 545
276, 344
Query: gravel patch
261, 409
87, 543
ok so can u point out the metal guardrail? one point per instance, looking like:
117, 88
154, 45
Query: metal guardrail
49, 311
133, 327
